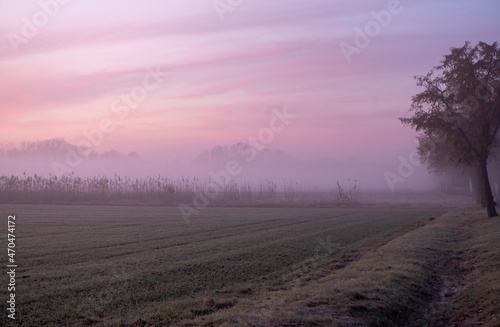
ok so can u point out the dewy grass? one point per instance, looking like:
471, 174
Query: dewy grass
109, 265
444, 273
128, 266
474, 296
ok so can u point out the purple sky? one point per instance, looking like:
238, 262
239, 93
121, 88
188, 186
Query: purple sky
227, 72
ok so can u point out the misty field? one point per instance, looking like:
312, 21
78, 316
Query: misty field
109, 265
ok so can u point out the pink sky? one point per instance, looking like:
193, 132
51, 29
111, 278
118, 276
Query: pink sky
226, 76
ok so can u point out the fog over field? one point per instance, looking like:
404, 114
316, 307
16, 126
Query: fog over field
304, 92
257, 163
243, 163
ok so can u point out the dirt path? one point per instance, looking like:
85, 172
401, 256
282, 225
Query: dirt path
453, 272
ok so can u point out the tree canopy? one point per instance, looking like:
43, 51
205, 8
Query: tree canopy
460, 108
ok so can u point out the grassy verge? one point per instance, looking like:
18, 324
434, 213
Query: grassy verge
470, 292
444, 273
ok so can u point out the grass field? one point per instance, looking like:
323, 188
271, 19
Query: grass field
144, 266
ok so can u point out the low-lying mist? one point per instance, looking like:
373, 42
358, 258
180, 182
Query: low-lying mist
238, 164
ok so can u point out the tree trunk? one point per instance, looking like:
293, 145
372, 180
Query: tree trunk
477, 189
487, 194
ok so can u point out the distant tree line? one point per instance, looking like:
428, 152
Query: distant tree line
53, 148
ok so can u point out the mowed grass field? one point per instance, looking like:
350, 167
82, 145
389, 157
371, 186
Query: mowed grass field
144, 266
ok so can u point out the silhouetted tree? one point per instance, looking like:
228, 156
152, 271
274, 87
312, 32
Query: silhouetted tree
460, 105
